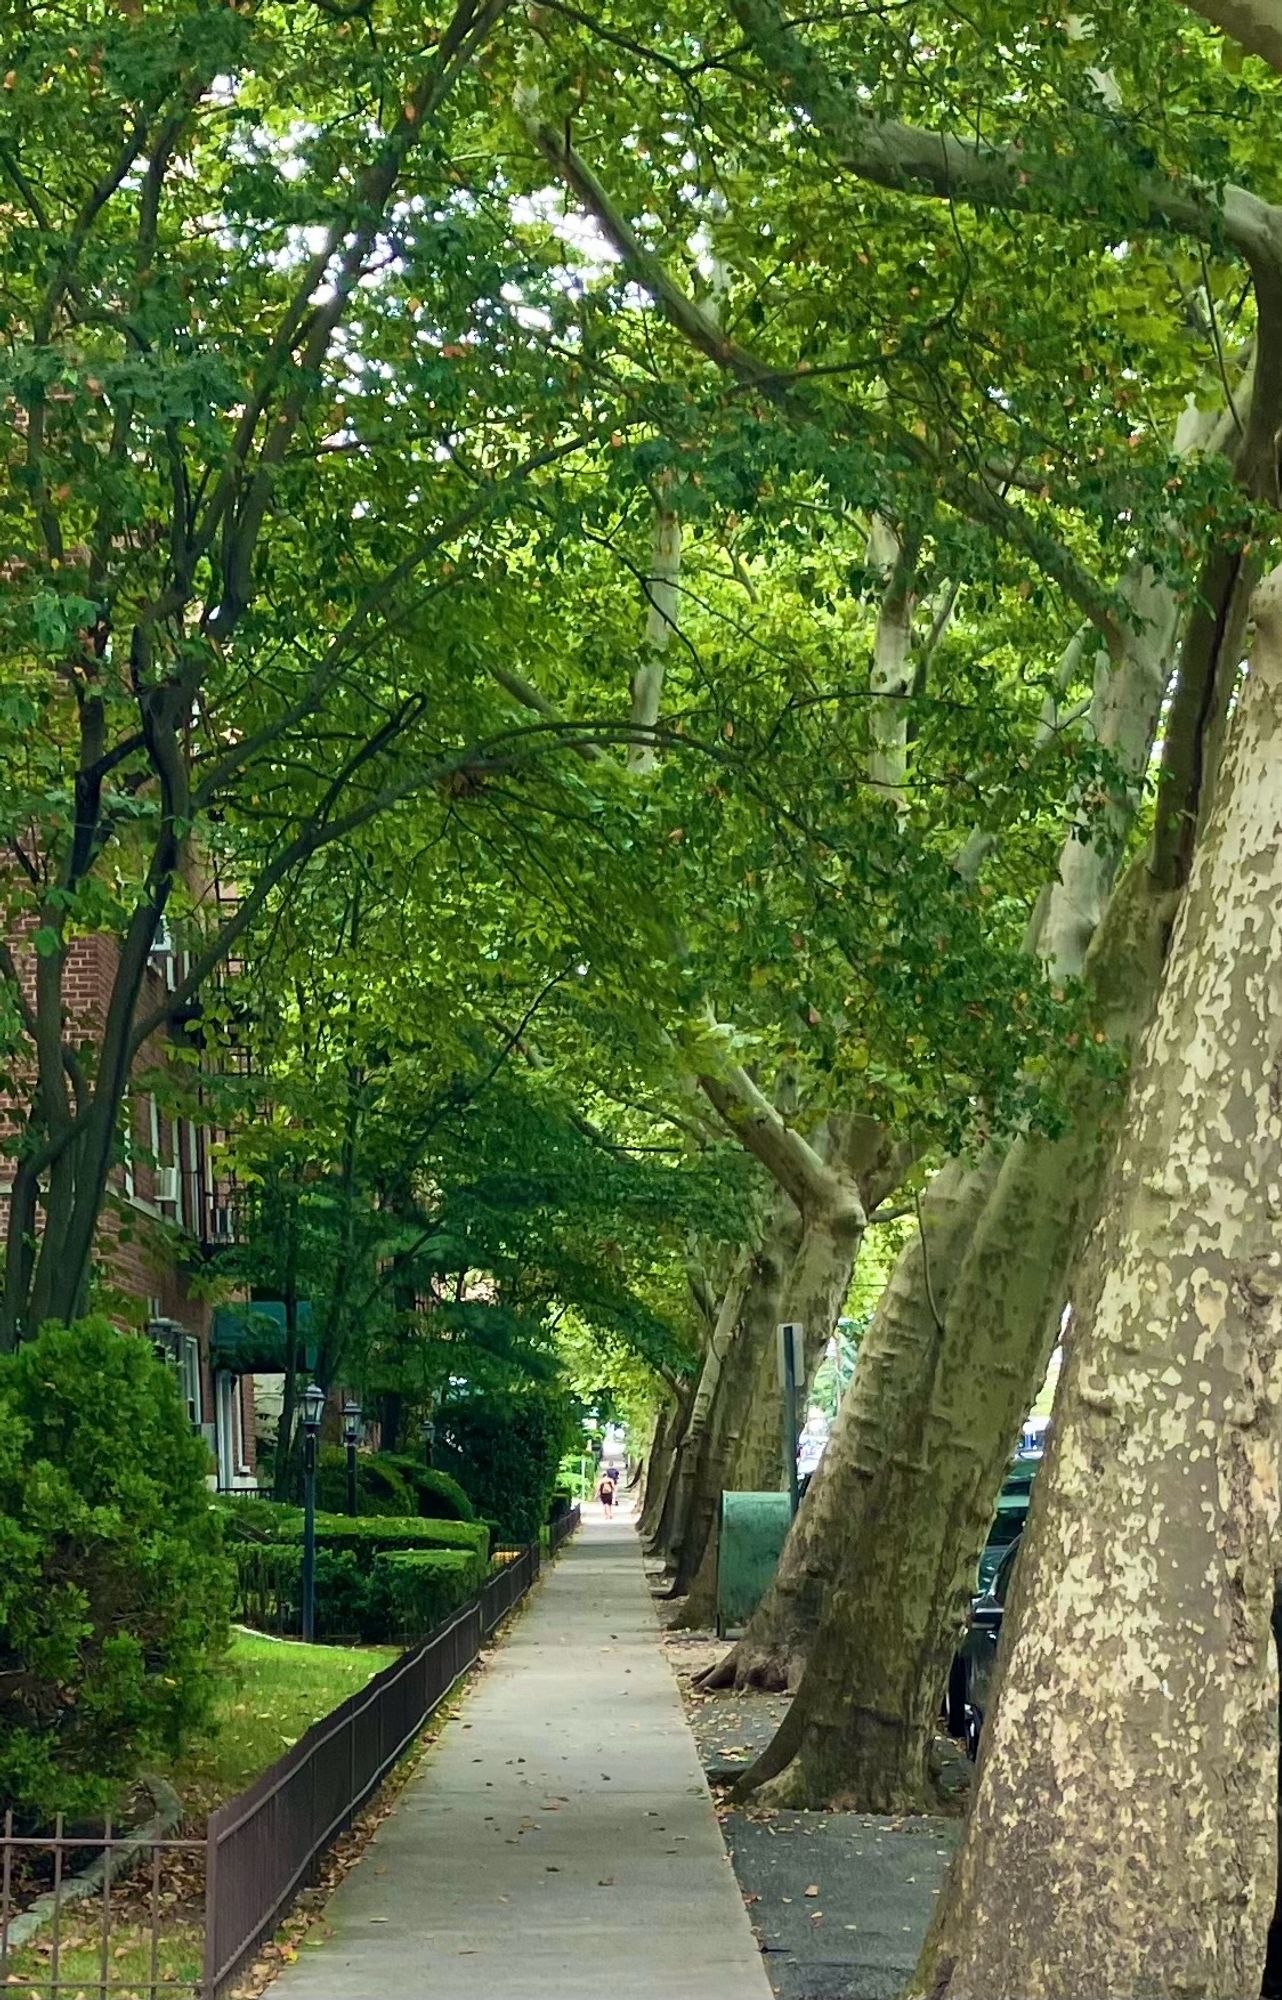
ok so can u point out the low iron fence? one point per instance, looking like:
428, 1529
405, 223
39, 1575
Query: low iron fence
140, 1921
263, 1844
506, 1587
562, 1528
98, 1914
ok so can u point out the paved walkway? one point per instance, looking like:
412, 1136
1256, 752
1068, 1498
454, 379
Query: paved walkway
559, 1840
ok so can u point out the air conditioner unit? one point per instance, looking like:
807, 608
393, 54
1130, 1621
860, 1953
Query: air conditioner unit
167, 1184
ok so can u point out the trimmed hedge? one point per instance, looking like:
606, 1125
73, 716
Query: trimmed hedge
357, 1594
506, 1453
396, 1594
266, 1521
439, 1497
381, 1487
419, 1588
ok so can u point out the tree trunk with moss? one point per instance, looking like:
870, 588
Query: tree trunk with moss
1132, 1750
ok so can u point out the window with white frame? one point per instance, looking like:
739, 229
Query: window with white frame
193, 1389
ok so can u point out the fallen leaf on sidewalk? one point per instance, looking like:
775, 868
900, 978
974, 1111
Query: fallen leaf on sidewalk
813, 1890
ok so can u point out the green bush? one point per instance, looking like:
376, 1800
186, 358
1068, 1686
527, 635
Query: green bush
114, 1593
380, 1489
398, 1594
417, 1589
505, 1451
440, 1498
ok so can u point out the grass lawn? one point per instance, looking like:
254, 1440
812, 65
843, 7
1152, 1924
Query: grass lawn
270, 1692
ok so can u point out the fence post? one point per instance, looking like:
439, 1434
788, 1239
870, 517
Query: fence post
209, 1979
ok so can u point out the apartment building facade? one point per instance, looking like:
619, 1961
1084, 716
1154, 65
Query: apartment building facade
168, 1210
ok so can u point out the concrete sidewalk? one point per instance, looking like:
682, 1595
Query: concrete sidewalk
559, 1840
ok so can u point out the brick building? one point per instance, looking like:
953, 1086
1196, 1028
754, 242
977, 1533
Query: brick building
165, 1210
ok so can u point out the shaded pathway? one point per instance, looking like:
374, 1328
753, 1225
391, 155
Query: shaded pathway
559, 1839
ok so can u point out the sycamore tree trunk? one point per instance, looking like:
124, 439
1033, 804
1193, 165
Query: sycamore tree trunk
1122, 1842
661, 1461
802, 1272
748, 1455
861, 1727
703, 1414
748, 1315
877, 1419
1008, 1283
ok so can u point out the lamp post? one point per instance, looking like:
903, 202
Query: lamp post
427, 1433
313, 1411
351, 1438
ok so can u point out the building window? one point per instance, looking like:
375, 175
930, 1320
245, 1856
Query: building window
231, 1429
191, 1382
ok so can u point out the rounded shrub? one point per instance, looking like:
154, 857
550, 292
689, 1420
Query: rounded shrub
439, 1497
114, 1592
380, 1489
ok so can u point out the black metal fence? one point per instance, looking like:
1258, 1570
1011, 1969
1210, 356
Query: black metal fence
94, 1914
507, 1587
152, 1933
562, 1528
263, 1844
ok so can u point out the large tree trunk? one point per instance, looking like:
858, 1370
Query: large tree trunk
878, 1416
746, 1322
802, 1273
702, 1416
860, 1729
1122, 1842
748, 1455
659, 1461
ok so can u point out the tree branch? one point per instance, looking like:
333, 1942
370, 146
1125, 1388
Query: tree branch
789, 1159
903, 157
971, 496
1257, 24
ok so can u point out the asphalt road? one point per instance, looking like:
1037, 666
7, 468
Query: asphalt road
877, 1880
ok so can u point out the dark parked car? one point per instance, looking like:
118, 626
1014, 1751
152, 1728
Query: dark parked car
1012, 1512
971, 1679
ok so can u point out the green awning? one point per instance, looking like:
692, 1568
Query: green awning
249, 1339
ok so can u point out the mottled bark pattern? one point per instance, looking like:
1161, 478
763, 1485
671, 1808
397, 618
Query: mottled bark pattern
801, 1271
876, 1421
1122, 1841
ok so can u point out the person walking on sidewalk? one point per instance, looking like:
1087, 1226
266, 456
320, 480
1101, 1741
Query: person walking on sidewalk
605, 1494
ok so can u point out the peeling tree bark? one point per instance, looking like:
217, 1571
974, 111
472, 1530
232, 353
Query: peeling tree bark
860, 1729
891, 680
802, 1272
662, 587
1133, 1746
877, 1420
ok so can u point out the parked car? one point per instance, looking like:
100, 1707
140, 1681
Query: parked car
1011, 1514
971, 1679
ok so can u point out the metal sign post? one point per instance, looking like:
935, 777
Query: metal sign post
792, 1374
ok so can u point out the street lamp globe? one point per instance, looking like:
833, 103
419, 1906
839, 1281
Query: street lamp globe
313, 1407
351, 1422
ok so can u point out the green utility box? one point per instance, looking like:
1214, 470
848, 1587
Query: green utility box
754, 1527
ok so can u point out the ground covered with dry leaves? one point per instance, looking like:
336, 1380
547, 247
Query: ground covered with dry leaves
839, 1901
